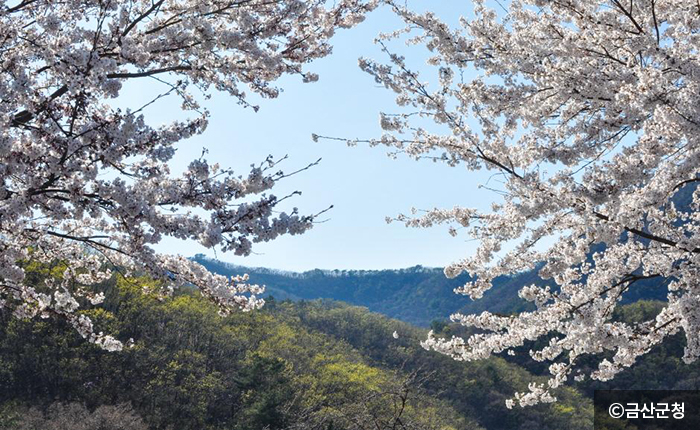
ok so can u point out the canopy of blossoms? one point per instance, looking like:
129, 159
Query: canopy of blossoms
86, 184
588, 112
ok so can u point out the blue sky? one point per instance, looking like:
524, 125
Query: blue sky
362, 183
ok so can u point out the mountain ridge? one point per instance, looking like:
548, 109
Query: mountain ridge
418, 295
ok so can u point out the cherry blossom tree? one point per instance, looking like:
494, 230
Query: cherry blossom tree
88, 185
588, 112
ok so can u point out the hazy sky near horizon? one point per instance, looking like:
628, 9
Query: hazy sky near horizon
363, 184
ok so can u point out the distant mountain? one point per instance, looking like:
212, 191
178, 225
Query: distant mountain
417, 295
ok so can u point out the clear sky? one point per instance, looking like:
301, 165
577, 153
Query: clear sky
362, 183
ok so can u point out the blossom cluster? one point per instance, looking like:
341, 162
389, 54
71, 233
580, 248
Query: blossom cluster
89, 185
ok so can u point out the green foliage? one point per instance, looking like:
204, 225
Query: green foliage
266, 383
293, 365
477, 389
189, 368
10, 415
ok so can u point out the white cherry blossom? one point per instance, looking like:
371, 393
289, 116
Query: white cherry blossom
588, 112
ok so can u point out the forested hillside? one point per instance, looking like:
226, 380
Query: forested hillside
297, 364
293, 365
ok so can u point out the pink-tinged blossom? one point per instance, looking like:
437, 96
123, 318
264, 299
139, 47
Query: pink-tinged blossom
588, 112
87, 184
